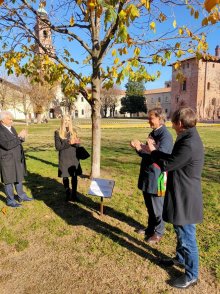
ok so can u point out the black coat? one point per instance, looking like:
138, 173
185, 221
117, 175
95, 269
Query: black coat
149, 173
183, 199
12, 160
69, 165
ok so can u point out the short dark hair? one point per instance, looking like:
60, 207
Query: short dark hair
158, 112
186, 116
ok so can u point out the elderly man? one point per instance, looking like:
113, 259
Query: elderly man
183, 200
12, 160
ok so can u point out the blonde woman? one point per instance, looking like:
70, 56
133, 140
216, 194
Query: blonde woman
66, 142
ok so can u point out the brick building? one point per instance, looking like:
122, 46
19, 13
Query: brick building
200, 88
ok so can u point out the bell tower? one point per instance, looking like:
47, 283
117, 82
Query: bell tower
43, 32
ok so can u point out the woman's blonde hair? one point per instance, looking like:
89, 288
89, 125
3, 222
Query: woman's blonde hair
62, 129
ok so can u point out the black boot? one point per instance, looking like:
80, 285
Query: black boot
68, 195
74, 197
67, 189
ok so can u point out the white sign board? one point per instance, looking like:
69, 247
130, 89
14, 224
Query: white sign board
101, 187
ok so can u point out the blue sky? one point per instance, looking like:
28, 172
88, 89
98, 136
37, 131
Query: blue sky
182, 16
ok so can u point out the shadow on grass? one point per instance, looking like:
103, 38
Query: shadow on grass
42, 160
51, 193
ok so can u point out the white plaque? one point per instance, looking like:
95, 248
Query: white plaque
101, 187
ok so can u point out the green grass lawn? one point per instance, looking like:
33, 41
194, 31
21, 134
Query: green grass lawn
92, 241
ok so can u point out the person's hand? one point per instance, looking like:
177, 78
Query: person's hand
74, 141
145, 148
136, 144
151, 144
23, 134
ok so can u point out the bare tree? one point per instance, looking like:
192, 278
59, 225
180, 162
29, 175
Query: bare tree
109, 100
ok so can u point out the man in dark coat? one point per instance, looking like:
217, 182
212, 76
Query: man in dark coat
149, 174
12, 160
183, 200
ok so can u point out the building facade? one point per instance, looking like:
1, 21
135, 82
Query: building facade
200, 88
160, 97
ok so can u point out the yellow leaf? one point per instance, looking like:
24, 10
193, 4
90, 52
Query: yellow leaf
137, 51
177, 65
205, 22
153, 26
196, 15
122, 14
162, 17
43, 4
209, 4
116, 60
181, 31
91, 4
174, 23
114, 52
1, 2
125, 51
4, 210
72, 20
147, 4
129, 40
177, 45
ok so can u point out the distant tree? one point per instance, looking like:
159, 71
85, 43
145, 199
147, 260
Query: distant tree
134, 88
134, 102
41, 96
3, 95
109, 100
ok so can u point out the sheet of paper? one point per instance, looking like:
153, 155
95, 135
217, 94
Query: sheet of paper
101, 187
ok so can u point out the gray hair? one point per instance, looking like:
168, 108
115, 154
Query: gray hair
4, 114
158, 112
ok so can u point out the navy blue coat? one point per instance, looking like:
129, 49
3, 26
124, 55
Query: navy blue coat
149, 174
183, 200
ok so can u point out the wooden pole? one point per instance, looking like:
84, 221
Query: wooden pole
101, 206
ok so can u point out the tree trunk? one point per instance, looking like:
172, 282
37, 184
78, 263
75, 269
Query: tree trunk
96, 127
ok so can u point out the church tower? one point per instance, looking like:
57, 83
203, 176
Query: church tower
43, 32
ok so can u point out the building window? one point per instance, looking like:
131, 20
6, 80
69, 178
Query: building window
76, 113
183, 66
177, 99
166, 110
82, 111
213, 65
45, 34
187, 65
214, 101
184, 86
82, 99
208, 86
166, 99
159, 99
152, 100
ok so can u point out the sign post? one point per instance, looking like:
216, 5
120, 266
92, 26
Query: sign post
102, 188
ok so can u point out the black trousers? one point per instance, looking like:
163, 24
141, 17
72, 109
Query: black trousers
154, 205
74, 182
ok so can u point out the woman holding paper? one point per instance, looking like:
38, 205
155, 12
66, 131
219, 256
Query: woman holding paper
66, 142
